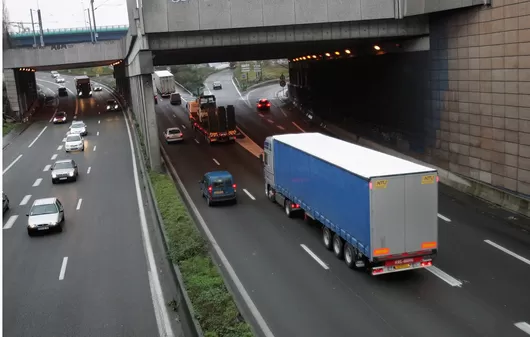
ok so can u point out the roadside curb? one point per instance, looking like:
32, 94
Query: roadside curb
14, 134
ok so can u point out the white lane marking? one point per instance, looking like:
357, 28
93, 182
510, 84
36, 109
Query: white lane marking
239, 92
51, 119
525, 327
46, 168
97, 133
99, 122
215, 161
183, 126
25, 200
261, 115
36, 138
88, 171
444, 218
280, 127
63, 268
53, 157
59, 147
174, 115
270, 121
509, 252
248, 193
37, 182
11, 221
159, 305
94, 148
444, 276
99, 112
12, 163
228, 267
298, 127
64, 140
196, 141
283, 112
79, 204
314, 256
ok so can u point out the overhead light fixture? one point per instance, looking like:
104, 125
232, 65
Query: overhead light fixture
347, 51
328, 54
314, 56
337, 53
376, 47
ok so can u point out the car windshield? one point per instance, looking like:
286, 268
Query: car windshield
43, 209
60, 114
111, 101
63, 165
173, 132
78, 126
73, 138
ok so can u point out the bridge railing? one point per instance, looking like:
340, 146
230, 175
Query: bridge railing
79, 30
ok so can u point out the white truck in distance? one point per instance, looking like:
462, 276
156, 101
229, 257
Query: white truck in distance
164, 82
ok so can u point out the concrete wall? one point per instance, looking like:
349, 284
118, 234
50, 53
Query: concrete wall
11, 88
60, 55
480, 80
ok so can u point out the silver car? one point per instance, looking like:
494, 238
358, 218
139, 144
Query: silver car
64, 170
173, 135
78, 128
59, 80
74, 142
45, 215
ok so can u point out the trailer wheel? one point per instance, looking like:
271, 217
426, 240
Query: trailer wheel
327, 237
270, 194
338, 246
287, 208
349, 256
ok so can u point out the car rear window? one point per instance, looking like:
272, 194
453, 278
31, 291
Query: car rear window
174, 132
222, 182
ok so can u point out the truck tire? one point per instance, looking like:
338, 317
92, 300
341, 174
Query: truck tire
287, 208
350, 256
327, 237
338, 246
270, 194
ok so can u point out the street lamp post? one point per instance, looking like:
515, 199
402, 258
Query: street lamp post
90, 24
94, 19
33, 27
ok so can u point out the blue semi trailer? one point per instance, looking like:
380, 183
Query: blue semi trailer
377, 211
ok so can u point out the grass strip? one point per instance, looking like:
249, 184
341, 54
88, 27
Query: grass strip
213, 304
8, 127
92, 72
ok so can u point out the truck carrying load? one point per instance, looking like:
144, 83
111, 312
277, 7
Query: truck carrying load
377, 211
83, 86
216, 124
164, 82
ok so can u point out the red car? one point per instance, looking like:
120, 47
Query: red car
263, 104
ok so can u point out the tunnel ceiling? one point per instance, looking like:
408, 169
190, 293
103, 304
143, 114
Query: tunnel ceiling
271, 51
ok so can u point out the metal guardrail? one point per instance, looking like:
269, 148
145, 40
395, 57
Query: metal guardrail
79, 30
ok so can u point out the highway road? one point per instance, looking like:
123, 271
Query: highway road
93, 279
479, 286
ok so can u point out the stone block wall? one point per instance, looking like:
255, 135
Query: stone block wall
480, 93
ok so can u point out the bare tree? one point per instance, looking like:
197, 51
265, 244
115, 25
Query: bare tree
5, 27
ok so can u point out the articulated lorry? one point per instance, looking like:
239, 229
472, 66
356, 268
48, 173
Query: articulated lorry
83, 86
164, 82
378, 212
216, 123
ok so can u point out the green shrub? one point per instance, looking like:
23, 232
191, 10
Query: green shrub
214, 306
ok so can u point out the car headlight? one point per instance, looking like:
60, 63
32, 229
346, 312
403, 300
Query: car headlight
54, 175
90, 93
116, 106
53, 224
55, 119
79, 94
71, 174
108, 107
32, 225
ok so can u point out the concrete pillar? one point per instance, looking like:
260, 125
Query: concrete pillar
139, 72
12, 91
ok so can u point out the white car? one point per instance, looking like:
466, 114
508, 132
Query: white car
98, 89
59, 80
78, 128
74, 142
173, 135
45, 215
54, 74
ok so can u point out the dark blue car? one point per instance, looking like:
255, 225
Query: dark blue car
218, 186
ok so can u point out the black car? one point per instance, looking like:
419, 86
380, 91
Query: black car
5, 202
263, 104
62, 91
112, 105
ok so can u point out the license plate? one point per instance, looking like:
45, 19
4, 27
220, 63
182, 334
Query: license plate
218, 192
43, 228
402, 266
63, 178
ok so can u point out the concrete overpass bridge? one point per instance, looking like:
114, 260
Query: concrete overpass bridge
67, 36
473, 79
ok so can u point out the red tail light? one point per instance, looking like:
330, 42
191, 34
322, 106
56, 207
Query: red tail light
295, 206
426, 263
210, 189
268, 104
234, 186
259, 105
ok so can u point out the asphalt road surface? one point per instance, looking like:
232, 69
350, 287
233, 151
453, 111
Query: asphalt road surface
92, 279
478, 287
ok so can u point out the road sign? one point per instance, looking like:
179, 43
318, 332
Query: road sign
257, 67
282, 83
244, 76
245, 68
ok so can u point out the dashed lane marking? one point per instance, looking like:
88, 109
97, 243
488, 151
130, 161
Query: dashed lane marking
11, 221
54, 157
63, 268
444, 276
25, 200
444, 218
99, 122
79, 202
523, 326
298, 127
94, 148
280, 127
183, 126
88, 170
270, 121
97, 133
59, 148
215, 161
12, 163
36, 138
46, 168
196, 141
507, 251
248, 193
314, 256
37, 182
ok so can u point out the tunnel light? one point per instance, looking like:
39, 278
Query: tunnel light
328, 54
347, 51
303, 58
376, 47
337, 53
308, 56
314, 56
